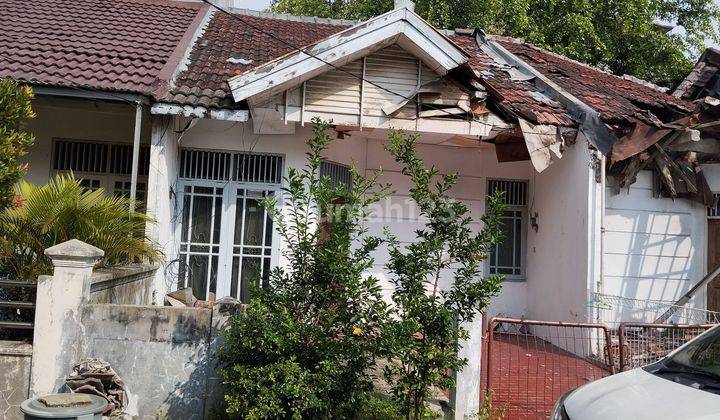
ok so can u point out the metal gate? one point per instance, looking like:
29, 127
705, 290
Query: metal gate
529, 364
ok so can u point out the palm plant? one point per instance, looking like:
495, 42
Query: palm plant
62, 210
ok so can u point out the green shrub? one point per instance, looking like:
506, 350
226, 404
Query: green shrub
427, 326
15, 109
62, 210
305, 344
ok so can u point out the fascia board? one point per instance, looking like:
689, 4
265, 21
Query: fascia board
401, 25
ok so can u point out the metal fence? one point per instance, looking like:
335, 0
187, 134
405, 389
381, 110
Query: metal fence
530, 364
612, 310
17, 304
641, 343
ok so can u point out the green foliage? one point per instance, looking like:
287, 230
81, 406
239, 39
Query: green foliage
304, 346
427, 326
488, 411
15, 109
619, 35
62, 210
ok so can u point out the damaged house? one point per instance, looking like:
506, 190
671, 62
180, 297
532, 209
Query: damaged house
611, 183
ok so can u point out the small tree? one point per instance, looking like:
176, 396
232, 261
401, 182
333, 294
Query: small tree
15, 109
428, 321
62, 210
304, 345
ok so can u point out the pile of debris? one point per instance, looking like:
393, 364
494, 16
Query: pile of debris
95, 376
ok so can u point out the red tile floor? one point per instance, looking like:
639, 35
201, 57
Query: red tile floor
529, 374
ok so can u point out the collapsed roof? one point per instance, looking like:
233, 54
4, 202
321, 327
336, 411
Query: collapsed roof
183, 54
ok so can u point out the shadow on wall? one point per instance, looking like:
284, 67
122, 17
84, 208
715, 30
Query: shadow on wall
651, 250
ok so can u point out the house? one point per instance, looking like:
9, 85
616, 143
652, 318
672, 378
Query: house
199, 113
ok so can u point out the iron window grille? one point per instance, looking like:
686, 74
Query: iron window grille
101, 164
337, 173
508, 257
714, 211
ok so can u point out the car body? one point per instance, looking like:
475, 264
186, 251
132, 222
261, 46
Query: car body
683, 385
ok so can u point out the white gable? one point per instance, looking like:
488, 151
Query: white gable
401, 26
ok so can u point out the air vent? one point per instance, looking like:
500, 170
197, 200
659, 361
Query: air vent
80, 156
515, 191
338, 174
251, 167
202, 164
714, 211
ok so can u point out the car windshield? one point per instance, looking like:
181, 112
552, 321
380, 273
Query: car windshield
702, 354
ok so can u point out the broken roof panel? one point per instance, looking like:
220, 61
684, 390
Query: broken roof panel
618, 100
125, 45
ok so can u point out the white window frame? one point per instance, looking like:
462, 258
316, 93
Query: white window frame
227, 228
523, 234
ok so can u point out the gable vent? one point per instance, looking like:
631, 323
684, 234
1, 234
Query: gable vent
515, 191
251, 167
203, 164
80, 156
338, 174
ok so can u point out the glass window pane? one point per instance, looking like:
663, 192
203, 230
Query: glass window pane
268, 230
235, 277
213, 278
254, 215
182, 271
185, 218
250, 275
217, 224
201, 213
505, 249
238, 221
266, 273
518, 240
198, 275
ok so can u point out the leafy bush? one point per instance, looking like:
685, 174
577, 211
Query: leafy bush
427, 326
62, 210
15, 109
304, 345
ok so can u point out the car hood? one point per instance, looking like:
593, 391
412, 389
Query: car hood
636, 395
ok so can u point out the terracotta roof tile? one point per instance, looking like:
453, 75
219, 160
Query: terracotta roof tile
226, 41
618, 99
119, 45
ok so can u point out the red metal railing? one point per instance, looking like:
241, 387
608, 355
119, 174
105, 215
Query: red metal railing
645, 343
529, 364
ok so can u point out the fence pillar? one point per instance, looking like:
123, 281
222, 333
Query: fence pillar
56, 339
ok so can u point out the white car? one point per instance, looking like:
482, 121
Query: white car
683, 385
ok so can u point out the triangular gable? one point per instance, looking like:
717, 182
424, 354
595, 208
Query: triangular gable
401, 26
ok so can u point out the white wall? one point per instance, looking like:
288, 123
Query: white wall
79, 120
654, 247
396, 212
560, 252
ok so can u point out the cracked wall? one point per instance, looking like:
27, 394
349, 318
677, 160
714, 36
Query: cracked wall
15, 361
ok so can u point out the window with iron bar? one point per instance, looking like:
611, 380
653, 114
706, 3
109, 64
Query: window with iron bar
338, 174
101, 164
508, 257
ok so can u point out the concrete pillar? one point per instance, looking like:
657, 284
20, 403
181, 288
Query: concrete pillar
57, 313
161, 194
466, 396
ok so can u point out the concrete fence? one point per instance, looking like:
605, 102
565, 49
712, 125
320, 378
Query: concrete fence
165, 355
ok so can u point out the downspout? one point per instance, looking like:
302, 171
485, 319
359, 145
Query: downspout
135, 155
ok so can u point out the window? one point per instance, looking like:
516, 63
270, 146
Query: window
101, 165
714, 211
508, 257
226, 235
338, 174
